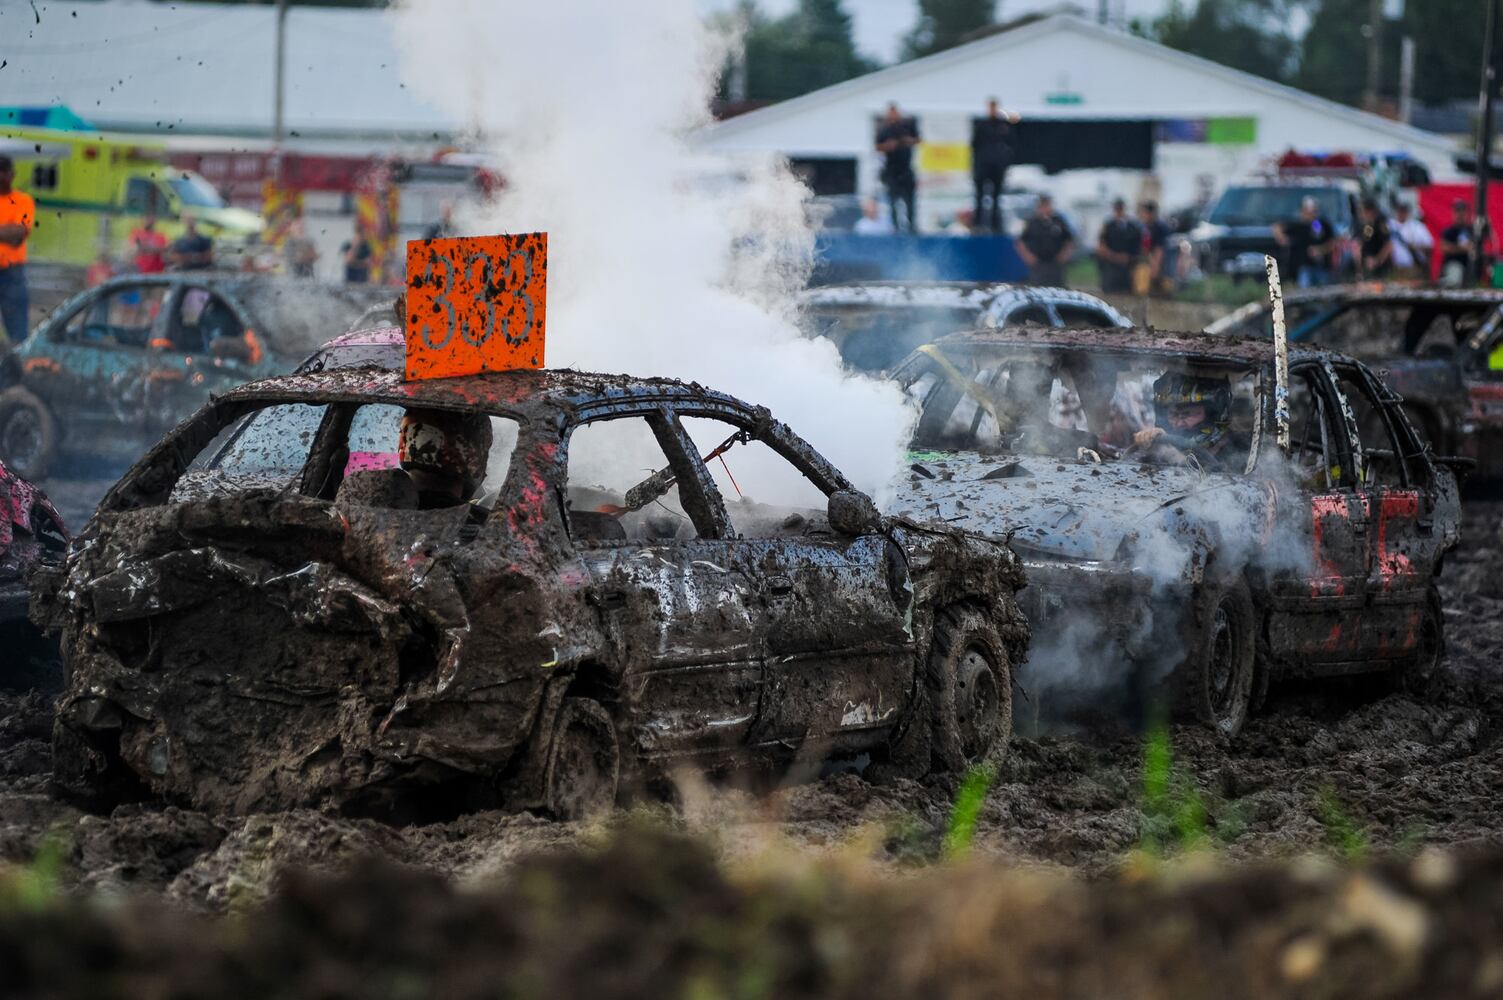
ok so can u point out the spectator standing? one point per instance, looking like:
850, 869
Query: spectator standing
895, 141
299, 251
1376, 241
1309, 241
871, 222
1117, 249
1045, 245
17, 215
991, 155
148, 247
357, 255
192, 251
1154, 267
1456, 245
1412, 244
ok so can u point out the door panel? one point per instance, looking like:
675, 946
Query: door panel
839, 650
689, 624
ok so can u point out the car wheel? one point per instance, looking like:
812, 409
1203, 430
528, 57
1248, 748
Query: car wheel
1218, 673
970, 689
584, 761
28, 434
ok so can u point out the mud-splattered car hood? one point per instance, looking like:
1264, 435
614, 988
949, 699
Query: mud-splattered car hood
1056, 508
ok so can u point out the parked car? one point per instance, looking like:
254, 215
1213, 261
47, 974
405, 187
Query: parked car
32, 537
1211, 567
117, 365
265, 613
1238, 230
1441, 349
876, 323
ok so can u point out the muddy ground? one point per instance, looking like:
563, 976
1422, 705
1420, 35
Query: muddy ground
1326, 767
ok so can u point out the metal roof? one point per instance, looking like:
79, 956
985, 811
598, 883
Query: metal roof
958, 294
1134, 340
527, 393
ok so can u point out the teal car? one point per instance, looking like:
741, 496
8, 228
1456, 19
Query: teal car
116, 366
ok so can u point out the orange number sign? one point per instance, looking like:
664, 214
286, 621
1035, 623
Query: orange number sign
476, 304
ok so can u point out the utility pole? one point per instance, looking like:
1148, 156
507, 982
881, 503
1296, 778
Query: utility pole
1484, 139
1406, 80
1374, 55
277, 121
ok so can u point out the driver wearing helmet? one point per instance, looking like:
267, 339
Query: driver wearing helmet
1192, 416
444, 453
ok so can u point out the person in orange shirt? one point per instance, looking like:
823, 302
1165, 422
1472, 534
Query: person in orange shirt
17, 215
149, 247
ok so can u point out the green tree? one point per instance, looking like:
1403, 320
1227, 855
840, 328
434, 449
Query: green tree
809, 48
944, 24
1250, 35
1447, 37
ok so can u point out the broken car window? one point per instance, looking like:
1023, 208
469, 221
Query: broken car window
273, 442
1083, 405
1316, 439
764, 495
1388, 458
122, 317
618, 485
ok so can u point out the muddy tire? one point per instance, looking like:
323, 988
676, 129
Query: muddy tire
1216, 679
28, 434
584, 761
969, 686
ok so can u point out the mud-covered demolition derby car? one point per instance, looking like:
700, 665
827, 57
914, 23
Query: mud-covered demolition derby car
1441, 349
271, 612
116, 366
875, 324
32, 536
1164, 531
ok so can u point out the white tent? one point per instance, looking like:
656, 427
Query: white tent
1062, 67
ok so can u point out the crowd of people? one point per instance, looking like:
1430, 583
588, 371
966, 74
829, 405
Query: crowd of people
1400, 247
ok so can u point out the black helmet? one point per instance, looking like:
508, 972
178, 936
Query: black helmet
446, 443
1177, 389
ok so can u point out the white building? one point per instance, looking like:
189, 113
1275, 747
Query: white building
1224, 124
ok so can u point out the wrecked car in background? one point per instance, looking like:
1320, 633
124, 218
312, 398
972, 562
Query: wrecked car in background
1441, 349
267, 612
32, 538
876, 323
1201, 551
116, 366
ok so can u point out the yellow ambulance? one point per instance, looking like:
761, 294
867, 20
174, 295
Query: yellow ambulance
92, 189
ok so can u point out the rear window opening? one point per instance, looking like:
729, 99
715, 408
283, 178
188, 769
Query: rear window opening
320, 449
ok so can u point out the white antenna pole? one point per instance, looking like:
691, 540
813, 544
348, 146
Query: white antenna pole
1280, 355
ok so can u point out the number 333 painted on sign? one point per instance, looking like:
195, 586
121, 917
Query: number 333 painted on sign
476, 304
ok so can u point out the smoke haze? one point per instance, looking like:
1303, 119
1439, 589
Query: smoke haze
665, 261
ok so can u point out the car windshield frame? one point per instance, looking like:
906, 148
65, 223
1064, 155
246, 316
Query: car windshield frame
1284, 204
985, 359
195, 192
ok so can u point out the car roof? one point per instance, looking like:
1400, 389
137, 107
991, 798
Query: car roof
956, 293
524, 393
1137, 340
376, 336
1378, 291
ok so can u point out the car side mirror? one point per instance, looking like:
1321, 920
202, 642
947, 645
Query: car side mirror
852, 513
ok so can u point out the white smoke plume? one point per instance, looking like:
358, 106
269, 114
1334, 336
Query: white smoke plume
663, 260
